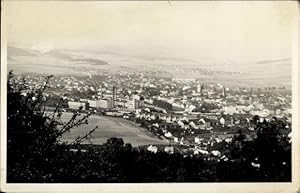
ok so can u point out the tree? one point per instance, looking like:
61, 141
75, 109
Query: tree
273, 149
265, 158
33, 134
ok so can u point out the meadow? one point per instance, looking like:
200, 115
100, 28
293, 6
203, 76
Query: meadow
112, 127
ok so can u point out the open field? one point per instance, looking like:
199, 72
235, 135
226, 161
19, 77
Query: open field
112, 127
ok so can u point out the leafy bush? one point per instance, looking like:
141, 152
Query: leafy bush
33, 134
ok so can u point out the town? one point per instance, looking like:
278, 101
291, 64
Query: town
183, 111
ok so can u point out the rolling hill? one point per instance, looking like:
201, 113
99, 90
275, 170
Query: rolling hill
79, 62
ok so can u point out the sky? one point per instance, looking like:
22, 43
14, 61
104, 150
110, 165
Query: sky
220, 30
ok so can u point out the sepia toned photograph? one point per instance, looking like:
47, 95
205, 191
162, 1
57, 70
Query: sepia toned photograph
149, 92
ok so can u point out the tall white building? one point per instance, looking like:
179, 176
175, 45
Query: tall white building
137, 101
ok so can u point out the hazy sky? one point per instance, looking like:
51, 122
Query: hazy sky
235, 30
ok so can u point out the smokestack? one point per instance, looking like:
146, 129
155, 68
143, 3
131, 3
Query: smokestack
114, 95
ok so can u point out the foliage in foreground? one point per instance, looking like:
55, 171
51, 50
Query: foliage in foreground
36, 154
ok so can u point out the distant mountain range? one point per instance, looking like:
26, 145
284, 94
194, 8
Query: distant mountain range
80, 62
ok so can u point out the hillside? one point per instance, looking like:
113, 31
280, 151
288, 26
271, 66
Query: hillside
80, 62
